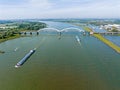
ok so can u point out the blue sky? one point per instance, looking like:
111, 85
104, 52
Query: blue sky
20, 9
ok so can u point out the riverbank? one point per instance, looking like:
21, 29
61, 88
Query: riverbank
11, 30
2, 52
109, 43
87, 28
104, 40
9, 38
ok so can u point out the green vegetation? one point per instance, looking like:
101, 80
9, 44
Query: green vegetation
114, 30
87, 29
11, 30
106, 41
112, 45
31, 25
9, 38
83, 23
101, 38
2, 52
8, 33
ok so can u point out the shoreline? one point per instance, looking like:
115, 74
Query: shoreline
13, 33
101, 38
104, 40
9, 38
107, 42
1, 52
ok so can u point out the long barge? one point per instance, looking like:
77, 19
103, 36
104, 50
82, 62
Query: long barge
25, 58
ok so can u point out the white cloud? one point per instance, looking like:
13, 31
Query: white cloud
47, 9
40, 4
31, 9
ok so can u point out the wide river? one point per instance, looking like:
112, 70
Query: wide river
59, 64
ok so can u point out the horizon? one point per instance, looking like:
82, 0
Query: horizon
60, 19
51, 9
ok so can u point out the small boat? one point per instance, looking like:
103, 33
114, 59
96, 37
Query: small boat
15, 49
77, 38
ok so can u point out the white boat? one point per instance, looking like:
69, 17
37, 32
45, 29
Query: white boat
77, 38
15, 49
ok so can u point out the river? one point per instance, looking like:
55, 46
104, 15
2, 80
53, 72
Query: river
59, 64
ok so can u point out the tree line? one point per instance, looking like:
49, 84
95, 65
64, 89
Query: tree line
21, 26
31, 26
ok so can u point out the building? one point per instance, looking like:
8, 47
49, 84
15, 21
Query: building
111, 27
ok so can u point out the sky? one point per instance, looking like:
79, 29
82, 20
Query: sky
33, 9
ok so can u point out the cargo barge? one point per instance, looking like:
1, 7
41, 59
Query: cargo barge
25, 58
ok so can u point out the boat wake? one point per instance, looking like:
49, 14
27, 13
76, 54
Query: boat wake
78, 39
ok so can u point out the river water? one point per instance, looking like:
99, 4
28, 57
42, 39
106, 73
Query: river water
59, 64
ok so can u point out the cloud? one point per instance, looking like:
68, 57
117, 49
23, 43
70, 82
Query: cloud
94, 10
13, 2
40, 4
29, 9
60, 9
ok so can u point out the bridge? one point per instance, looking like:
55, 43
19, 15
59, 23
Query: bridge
70, 29
65, 30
